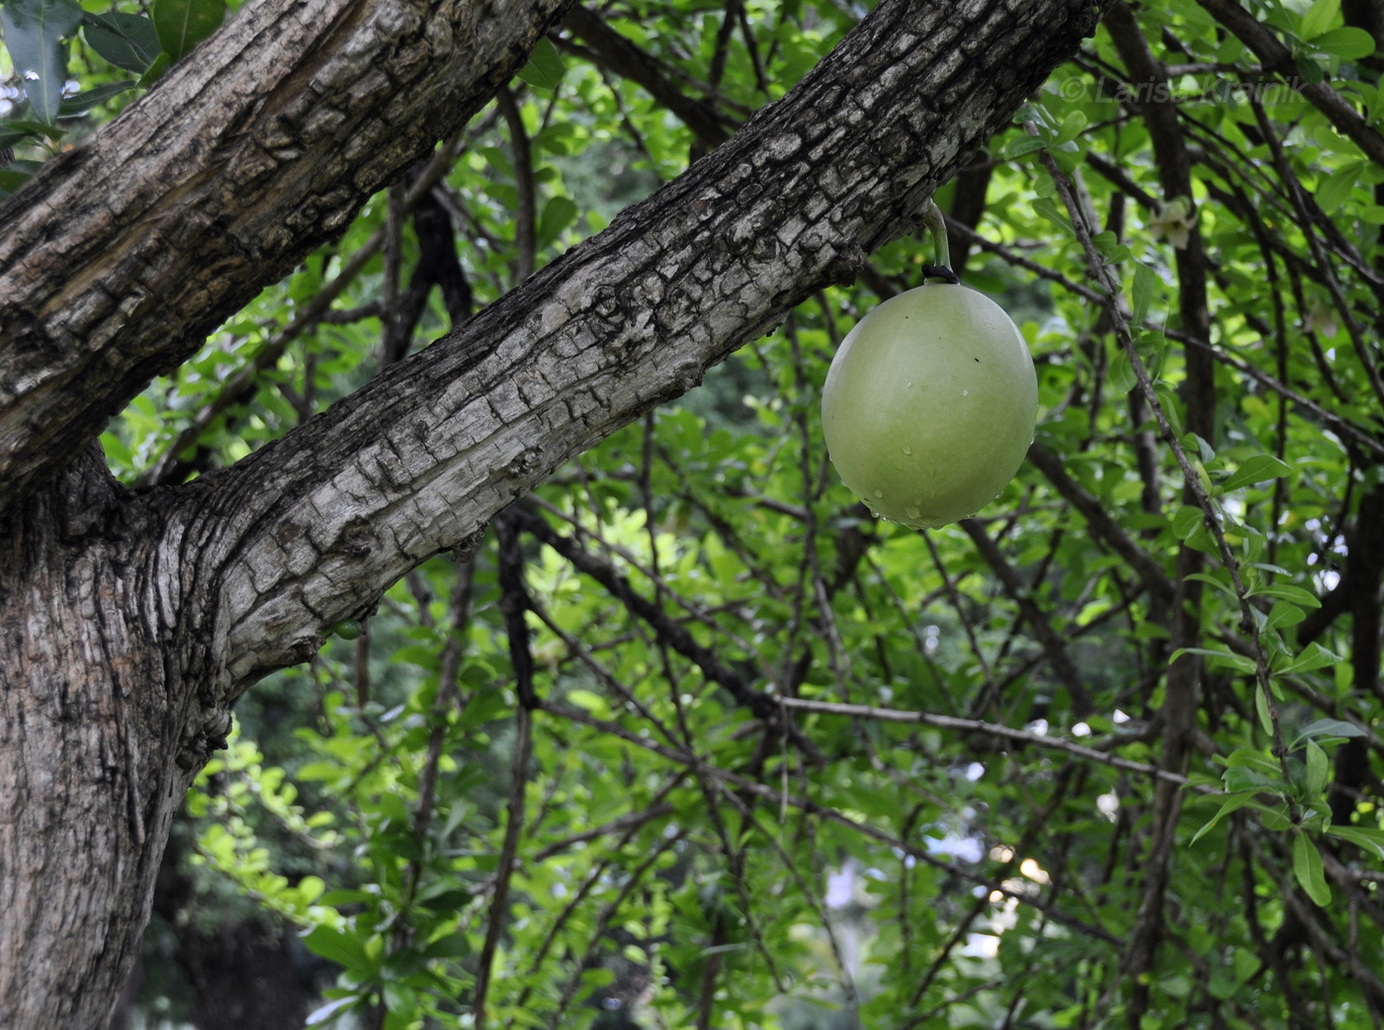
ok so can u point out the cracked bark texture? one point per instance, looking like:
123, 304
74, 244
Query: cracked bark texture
129, 621
124, 253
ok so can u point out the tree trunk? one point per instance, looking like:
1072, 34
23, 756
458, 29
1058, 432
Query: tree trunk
95, 748
129, 621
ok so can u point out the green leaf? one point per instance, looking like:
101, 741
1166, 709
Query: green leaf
1222, 658
1284, 614
128, 41
1255, 470
344, 947
85, 101
1348, 43
1186, 521
36, 34
1122, 376
1212, 581
590, 701
1237, 780
1313, 656
1072, 127
545, 68
1371, 840
1263, 707
1253, 758
182, 24
558, 214
20, 130
1230, 804
1318, 769
453, 945
1146, 282
1054, 214
1019, 146
1336, 187
1307, 867
1319, 17
1327, 728
1310, 70
1287, 592
160, 65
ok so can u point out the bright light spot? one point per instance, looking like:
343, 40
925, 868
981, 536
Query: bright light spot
1033, 871
931, 636
974, 771
1001, 853
1039, 727
981, 945
1327, 580
996, 897
1119, 717
841, 887
1108, 805
31, 76
1081, 729
965, 848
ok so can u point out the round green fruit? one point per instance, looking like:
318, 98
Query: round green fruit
930, 404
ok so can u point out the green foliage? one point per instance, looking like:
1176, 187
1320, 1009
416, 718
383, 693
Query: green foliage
181, 24
38, 37
36, 34
989, 781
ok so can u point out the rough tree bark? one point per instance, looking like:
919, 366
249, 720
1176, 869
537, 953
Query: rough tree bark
131, 620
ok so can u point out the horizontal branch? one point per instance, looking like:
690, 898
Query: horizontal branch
989, 729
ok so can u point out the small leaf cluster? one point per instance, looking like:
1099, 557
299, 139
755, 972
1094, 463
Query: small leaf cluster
38, 38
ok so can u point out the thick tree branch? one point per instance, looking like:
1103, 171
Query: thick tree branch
425, 454
120, 256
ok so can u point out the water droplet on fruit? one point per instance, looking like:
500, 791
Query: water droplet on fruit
912, 512
907, 449
879, 493
965, 393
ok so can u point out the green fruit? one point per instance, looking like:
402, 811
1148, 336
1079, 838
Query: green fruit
930, 404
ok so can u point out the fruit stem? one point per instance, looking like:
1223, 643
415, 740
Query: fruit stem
941, 251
